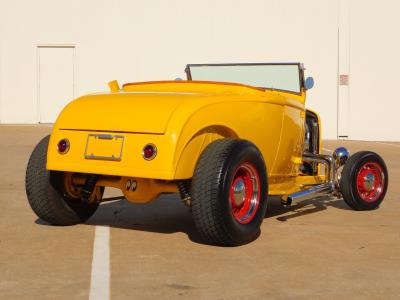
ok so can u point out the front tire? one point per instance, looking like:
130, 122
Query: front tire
364, 181
44, 190
229, 192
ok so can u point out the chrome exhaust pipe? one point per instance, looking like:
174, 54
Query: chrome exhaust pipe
331, 186
315, 191
322, 189
327, 160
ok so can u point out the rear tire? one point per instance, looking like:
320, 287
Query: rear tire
44, 190
364, 181
229, 192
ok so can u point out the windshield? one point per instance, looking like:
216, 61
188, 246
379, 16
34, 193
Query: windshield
285, 77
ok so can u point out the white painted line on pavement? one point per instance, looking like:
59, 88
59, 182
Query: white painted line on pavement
389, 144
327, 150
100, 277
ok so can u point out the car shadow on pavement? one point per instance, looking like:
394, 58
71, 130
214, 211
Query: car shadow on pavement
305, 207
169, 215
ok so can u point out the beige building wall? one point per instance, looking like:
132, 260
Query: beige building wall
154, 40
374, 103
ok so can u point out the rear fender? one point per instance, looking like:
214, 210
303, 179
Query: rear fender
193, 149
244, 120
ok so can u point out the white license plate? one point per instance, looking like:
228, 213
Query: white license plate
104, 147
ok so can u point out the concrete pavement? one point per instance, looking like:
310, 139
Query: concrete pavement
313, 250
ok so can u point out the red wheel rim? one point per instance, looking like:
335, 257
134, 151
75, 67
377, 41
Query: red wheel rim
244, 194
370, 182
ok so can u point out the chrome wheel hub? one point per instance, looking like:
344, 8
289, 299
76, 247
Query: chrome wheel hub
239, 192
369, 182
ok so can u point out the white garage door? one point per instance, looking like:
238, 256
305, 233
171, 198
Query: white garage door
374, 70
56, 81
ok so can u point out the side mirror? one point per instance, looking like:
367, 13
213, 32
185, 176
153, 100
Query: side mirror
309, 83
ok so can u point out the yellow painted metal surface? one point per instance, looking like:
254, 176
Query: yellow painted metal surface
131, 164
181, 118
114, 86
139, 190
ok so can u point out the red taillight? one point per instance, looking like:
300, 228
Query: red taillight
63, 146
149, 151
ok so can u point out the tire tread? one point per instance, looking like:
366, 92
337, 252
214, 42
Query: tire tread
45, 199
347, 180
207, 209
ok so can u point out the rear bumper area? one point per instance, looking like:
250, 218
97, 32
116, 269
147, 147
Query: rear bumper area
129, 162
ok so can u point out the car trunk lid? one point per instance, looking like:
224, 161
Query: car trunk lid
138, 112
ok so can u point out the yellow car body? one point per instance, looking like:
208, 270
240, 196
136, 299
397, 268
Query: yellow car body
180, 118
225, 139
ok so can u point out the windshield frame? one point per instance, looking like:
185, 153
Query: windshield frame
299, 65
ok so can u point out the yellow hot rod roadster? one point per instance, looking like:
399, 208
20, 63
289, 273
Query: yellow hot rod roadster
226, 139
